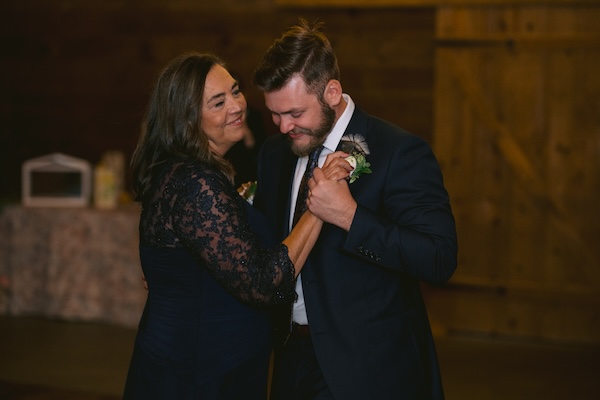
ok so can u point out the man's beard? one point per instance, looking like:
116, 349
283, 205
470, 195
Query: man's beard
318, 136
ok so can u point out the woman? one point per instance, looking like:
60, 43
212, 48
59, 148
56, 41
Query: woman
209, 265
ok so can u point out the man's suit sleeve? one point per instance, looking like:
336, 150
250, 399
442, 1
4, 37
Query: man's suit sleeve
412, 230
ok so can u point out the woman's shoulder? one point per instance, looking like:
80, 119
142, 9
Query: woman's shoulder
193, 177
195, 170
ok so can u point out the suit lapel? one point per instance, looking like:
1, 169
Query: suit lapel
357, 125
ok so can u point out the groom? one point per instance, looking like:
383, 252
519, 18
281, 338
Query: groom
359, 327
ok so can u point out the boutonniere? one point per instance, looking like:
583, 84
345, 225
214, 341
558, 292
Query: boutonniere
357, 148
247, 191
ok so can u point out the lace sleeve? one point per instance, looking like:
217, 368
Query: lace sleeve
209, 219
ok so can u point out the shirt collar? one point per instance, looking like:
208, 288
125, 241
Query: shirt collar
334, 137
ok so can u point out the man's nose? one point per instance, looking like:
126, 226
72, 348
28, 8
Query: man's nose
285, 125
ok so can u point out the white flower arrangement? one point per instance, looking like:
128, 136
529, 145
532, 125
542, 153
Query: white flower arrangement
360, 165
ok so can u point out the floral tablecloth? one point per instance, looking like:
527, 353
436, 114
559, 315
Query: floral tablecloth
71, 263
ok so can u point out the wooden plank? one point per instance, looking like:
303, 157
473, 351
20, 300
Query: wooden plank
542, 315
573, 163
548, 41
532, 25
520, 104
475, 175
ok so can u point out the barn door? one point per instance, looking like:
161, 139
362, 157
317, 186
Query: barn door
517, 132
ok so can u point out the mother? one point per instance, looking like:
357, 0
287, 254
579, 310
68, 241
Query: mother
210, 265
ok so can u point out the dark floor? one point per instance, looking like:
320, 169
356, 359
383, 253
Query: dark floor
45, 360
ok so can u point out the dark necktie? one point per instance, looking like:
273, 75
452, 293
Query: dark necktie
313, 161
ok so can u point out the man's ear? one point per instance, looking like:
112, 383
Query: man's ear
333, 93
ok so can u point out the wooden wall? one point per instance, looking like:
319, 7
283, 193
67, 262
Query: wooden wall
508, 95
76, 74
517, 130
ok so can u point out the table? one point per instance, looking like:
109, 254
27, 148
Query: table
71, 263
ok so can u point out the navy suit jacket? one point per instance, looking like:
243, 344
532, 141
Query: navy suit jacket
367, 318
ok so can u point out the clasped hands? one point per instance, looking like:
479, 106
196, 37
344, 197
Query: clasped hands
329, 196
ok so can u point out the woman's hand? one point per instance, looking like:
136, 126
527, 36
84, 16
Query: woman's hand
336, 167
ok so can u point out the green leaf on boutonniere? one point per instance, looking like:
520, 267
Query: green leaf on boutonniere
360, 165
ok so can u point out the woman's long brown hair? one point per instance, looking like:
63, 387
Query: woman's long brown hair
171, 126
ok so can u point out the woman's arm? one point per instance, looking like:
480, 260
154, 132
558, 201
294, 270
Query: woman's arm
302, 239
306, 232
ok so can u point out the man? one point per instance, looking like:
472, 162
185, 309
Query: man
359, 327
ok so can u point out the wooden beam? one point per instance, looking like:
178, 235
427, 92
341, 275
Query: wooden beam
422, 3
547, 41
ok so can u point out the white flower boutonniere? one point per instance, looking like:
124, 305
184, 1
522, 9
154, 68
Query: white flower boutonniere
247, 190
357, 147
360, 165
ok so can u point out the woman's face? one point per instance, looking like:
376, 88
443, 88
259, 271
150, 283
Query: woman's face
223, 110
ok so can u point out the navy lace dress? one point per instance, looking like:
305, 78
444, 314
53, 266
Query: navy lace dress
211, 269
